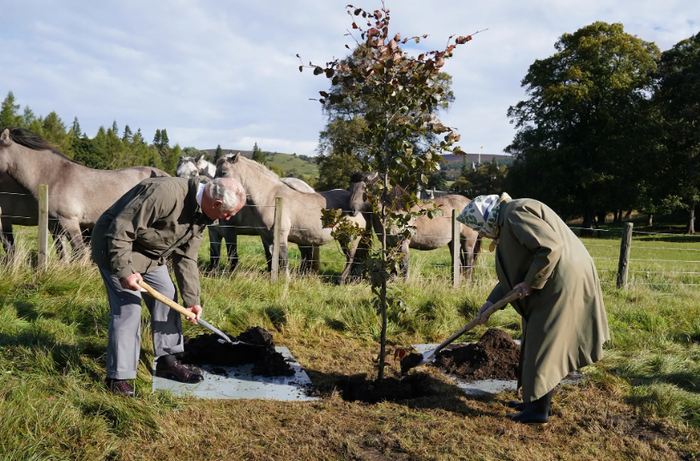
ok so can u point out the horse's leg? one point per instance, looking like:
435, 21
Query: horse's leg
350, 254
230, 234
404, 259
59, 238
8, 241
74, 235
214, 247
307, 255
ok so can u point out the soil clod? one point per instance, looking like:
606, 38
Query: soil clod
257, 348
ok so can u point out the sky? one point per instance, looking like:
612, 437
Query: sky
225, 72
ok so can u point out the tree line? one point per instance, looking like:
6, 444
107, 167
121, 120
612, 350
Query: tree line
611, 125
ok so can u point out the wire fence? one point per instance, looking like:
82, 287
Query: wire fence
660, 259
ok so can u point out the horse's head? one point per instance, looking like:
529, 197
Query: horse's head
358, 186
226, 164
186, 167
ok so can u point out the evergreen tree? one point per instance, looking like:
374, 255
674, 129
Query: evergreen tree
219, 153
54, 130
28, 118
258, 155
8, 112
75, 128
128, 135
115, 129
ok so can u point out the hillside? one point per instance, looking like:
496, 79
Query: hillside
293, 164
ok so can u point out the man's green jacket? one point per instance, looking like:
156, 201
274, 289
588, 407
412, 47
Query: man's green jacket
157, 219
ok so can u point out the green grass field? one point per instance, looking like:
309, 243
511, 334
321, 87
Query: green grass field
641, 402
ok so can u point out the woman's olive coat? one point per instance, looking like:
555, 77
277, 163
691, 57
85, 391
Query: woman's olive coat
564, 322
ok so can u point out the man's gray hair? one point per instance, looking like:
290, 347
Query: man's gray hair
229, 191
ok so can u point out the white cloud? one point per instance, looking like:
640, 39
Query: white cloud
225, 73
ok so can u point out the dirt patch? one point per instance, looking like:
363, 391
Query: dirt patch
256, 347
494, 356
358, 388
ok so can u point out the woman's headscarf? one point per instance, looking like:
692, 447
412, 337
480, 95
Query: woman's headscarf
481, 214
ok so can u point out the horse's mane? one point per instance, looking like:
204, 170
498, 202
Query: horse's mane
262, 168
27, 138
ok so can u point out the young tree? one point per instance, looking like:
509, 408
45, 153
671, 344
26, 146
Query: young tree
403, 91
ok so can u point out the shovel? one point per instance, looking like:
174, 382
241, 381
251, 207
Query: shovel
429, 356
189, 314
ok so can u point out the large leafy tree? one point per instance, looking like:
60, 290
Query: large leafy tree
397, 93
678, 96
576, 132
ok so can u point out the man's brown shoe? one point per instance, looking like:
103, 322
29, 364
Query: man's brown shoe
120, 387
178, 372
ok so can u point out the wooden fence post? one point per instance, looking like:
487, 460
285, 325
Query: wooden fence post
275, 267
625, 245
456, 247
43, 242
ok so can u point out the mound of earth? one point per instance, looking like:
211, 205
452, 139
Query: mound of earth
494, 356
358, 388
256, 347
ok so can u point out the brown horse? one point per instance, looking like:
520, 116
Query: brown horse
430, 234
78, 195
301, 221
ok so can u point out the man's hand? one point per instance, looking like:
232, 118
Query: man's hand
131, 282
480, 317
197, 310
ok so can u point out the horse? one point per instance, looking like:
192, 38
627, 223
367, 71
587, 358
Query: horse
78, 195
430, 234
301, 220
189, 167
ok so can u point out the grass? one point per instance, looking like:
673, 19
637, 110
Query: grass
641, 402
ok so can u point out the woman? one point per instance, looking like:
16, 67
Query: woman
564, 322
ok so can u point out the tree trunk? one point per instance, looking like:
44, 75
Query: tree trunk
650, 219
601, 217
587, 225
628, 215
691, 218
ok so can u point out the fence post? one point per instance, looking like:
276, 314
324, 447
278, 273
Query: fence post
43, 242
456, 248
623, 266
275, 267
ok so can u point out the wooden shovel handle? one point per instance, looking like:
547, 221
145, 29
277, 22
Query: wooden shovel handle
500, 304
165, 300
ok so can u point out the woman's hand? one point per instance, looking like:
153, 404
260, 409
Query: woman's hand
524, 288
480, 317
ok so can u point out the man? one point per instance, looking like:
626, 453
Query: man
159, 219
564, 321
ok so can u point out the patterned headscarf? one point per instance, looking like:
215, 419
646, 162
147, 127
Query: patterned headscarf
481, 214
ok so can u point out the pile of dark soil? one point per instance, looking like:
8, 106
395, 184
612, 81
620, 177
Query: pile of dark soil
257, 348
358, 388
494, 356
